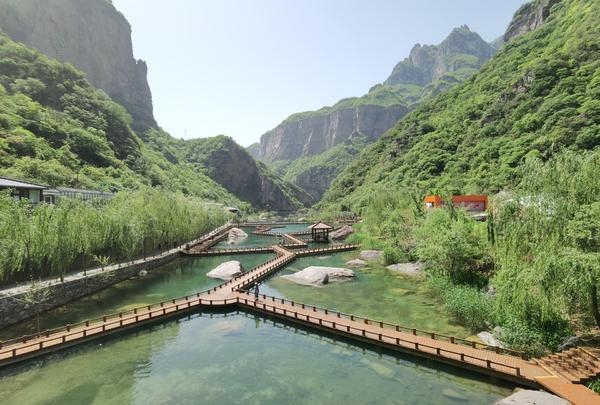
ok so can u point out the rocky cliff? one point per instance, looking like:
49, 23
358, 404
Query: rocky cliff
527, 18
462, 49
93, 36
316, 134
230, 165
428, 71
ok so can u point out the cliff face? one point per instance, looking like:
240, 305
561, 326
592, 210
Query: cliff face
426, 72
529, 17
314, 135
94, 37
230, 165
427, 63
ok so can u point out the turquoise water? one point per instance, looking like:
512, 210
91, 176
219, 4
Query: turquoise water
237, 359
229, 358
291, 228
250, 241
376, 293
183, 277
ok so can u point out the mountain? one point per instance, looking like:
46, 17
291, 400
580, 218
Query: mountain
340, 130
538, 95
229, 164
57, 128
94, 37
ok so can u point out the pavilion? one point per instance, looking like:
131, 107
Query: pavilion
320, 231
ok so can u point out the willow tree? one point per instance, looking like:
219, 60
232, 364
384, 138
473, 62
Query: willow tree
548, 234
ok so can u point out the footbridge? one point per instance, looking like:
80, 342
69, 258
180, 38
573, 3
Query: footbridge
561, 374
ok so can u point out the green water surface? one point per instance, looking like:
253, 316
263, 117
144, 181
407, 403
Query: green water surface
183, 277
376, 293
250, 241
230, 358
237, 359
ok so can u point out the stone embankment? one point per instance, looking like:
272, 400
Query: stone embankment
23, 302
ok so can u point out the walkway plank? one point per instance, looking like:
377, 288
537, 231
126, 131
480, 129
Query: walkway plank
235, 292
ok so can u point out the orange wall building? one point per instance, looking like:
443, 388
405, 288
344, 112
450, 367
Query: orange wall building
472, 203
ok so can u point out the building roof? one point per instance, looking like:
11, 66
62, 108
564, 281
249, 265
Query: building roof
320, 225
64, 190
6, 182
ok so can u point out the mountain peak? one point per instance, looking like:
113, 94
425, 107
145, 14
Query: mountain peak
462, 48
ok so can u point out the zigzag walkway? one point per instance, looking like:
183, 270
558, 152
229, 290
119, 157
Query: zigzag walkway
557, 374
269, 233
203, 251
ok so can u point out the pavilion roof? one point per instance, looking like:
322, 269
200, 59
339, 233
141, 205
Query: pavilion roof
320, 225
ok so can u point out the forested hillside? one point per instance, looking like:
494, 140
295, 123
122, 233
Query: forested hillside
537, 96
526, 131
311, 148
57, 129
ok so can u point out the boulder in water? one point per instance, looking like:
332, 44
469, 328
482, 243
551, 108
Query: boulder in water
531, 397
342, 233
226, 271
407, 269
236, 235
357, 263
371, 255
317, 276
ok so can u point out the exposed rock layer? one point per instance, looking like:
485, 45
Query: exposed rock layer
94, 37
530, 16
316, 134
230, 165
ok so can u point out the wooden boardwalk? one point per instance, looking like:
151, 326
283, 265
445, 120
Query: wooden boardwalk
294, 243
558, 374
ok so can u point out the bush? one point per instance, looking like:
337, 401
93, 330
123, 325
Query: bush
53, 239
455, 247
467, 304
535, 341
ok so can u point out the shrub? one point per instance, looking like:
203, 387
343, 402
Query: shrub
467, 304
454, 247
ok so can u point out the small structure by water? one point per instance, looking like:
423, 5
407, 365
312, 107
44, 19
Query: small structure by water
320, 231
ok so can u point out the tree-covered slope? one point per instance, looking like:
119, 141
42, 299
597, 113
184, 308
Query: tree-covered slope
229, 164
295, 147
540, 94
57, 129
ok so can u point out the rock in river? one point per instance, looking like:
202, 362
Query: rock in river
342, 233
530, 397
236, 235
357, 263
371, 255
407, 269
226, 271
316, 275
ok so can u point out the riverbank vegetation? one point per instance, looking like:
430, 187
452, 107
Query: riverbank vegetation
530, 271
51, 240
524, 129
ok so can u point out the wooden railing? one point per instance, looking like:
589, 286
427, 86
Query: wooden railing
399, 328
382, 336
106, 322
212, 252
335, 248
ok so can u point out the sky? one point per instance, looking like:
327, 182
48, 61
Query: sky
240, 67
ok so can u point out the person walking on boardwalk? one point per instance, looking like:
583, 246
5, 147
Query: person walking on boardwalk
256, 293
